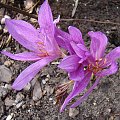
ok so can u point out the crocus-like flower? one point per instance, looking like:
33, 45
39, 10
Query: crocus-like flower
97, 65
74, 44
74, 63
40, 42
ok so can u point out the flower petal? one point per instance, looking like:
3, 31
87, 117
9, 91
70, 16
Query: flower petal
27, 75
45, 18
78, 74
77, 89
51, 46
113, 55
23, 32
79, 49
111, 70
25, 56
86, 94
63, 39
76, 35
69, 63
98, 44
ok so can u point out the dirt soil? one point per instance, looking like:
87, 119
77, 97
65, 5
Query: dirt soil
102, 104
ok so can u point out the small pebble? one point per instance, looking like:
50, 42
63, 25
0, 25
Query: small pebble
73, 112
3, 91
54, 102
5, 30
50, 99
19, 104
19, 97
8, 86
6, 16
9, 102
37, 91
5, 74
9, 117
94, 103
8, 63
3, 21
44, 82
27, 87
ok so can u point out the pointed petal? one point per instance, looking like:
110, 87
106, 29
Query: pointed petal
25, 56
23, 32
77, 89
45, 18
69, 63
111, 70
113, 55
51, 46
86, 94
27, 75
98, 44
63, 39
79, 49
78, 74
76, 35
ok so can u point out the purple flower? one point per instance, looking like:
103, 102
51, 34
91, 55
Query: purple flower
74, 63
40, 42
64, 39
96, 64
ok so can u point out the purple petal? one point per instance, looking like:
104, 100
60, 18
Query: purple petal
77, 89
111, 70
69, 63
25, 56
27, 75
63, 39
98, 44
45, 18
78, 74
79, 49
86, 94
113, 55
76, 35
23, 32
51, 46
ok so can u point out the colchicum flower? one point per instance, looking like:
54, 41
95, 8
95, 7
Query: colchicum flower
40, 42
94, 63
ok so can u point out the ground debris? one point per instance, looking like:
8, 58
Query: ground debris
37, 91
3, 91
9, 102
73, 112
5, 74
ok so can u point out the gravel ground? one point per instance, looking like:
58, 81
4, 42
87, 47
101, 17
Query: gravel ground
37, 100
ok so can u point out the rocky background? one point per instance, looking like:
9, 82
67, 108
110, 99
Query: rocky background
37, 100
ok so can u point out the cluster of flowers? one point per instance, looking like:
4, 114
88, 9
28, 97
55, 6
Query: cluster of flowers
45, 46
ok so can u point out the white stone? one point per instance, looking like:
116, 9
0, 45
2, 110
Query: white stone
9, 117
73, 112
5, 74
27, 87
37, 91
44, 82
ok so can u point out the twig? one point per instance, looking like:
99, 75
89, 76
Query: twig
31, 8
74, 9
34, 16
88, 20
17, 10
8, 40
